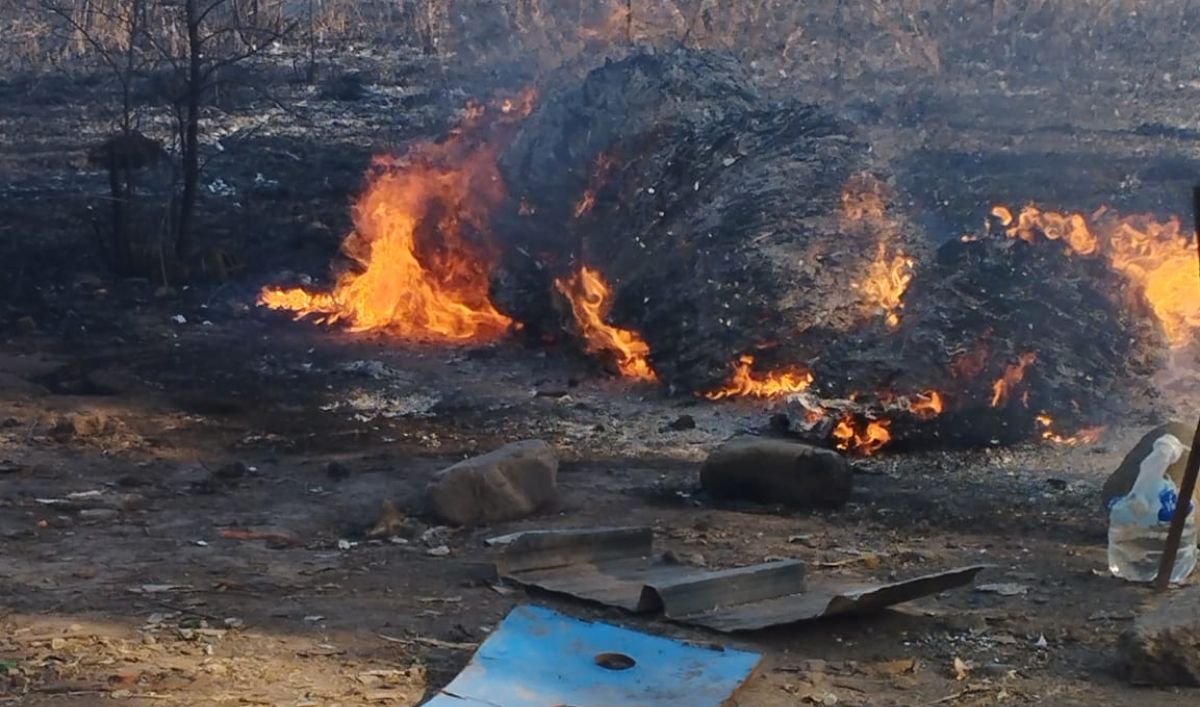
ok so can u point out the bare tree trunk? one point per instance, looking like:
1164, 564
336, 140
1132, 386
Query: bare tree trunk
190, 148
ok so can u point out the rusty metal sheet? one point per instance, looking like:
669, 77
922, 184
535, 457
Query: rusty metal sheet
826, 599
617, 567
538, 657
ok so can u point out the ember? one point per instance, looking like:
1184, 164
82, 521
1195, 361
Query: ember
1087, 435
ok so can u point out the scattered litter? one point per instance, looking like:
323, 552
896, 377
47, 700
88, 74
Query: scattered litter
158, 588
1004, 589
179, 319
1111, 616
961, 669
391, 522
1041, 642
344, 544
313, 618
200, 543
617, 567
431, 642
539, 657
274, 538
439, 551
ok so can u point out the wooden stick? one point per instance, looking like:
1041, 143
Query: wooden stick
1188, 488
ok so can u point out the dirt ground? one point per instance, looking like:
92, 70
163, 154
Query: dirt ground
120, 468
139, 426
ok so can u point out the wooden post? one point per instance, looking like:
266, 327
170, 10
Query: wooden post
1188, 488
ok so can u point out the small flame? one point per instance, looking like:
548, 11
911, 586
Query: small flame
864, 211
866, 438
887, 280
1157, 255
585, 203
1013, 373
926, 405
588, 295
604, 163
744, 382
1086, 435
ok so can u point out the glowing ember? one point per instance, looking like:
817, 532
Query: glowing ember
585, 203
1155, 254
421, 243
604, 164
864, 208
867, 437
776, 384
926, 405
588, 294
1013, 373
1087, 435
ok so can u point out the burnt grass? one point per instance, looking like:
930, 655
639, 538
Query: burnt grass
102, 390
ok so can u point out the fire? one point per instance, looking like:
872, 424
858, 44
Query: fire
926, 405
585, 203
421, 242
743, 381
588, 295
1157, 255
887, 279
1013, 373
604, 163
866, 438
864, 208
1087, 435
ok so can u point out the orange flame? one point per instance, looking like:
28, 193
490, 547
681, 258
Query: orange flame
743, 381
588, 295
926, 405
421, 243
887, 279
604, 163
1157, 255
864, 208
1013, 373
866, 438
1087, 435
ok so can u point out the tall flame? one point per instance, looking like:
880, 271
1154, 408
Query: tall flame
864, 212
1155, 254
743, 381
588, 295
421, 242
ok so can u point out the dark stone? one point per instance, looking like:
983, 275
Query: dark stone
337, 471
511, 482
766, 470
1163, 646
683, 422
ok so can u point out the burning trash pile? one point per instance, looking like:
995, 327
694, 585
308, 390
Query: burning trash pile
677, 226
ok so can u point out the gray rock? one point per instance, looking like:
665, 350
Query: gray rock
1163, 646
767, 470
511, 482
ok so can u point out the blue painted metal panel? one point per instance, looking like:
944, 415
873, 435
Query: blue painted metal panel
538, 657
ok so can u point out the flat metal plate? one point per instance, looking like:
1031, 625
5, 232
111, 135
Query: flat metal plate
538, 657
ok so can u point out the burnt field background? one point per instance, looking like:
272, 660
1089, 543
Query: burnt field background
964, 104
